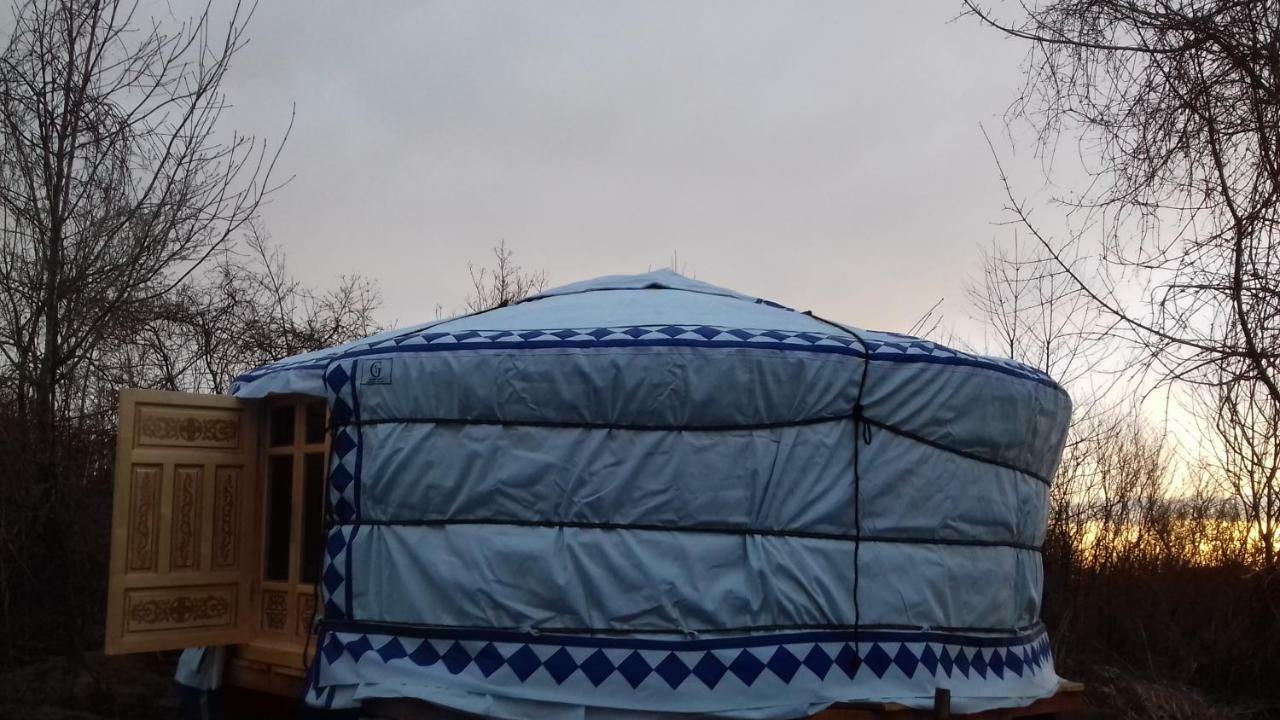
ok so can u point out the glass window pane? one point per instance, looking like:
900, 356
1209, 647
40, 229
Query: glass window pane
315, 423
279, 516
312, 515
281, 425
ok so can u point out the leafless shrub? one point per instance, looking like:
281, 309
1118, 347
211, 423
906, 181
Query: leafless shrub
1177, 110
121, 199
1161, 568
245, 310
504, 283
1121, 696
115, 186
1243, 457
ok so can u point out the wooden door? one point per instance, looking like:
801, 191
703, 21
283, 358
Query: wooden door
184, 547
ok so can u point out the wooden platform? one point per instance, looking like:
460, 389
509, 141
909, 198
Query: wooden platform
1068, 702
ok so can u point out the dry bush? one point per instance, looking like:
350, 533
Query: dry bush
1119, 695
1156, 579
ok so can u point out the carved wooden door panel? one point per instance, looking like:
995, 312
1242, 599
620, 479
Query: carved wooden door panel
184, 544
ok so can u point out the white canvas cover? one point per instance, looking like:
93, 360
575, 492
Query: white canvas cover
645, 494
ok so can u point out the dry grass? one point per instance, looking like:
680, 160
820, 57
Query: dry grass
1111, 693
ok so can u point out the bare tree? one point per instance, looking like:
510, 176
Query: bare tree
504, 283
1034, 313
244, 311
1178, 105
1244, 457
1174, 109
116, 184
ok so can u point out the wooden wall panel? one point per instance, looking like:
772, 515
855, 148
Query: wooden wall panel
144, 522
207, 606
227, 491
188, 481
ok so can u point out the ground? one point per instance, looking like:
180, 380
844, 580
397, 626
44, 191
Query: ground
136, 687
46, 688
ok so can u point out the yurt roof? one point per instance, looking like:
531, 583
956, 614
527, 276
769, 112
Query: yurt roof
582, 313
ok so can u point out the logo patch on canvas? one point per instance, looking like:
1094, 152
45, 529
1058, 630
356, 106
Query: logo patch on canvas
376, 372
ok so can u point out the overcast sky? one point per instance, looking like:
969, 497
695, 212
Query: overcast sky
826, 155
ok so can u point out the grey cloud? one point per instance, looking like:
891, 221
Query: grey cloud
826, 154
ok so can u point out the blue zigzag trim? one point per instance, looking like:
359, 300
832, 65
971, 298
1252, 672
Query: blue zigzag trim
528, 657
883, 347
894, 348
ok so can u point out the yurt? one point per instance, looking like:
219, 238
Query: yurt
646, 494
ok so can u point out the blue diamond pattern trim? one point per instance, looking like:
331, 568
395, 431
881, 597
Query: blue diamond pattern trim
425, 655
560, 665
333, 611
332, 579
906, 660
818, 662
945, 661
674, 667
524, 662
878, 660
332, 649
885, 346
359, 647
673, 670
746, 667
456, 658
784, 664
393, 650
888, 347
710, 669
337, 379
979, 664
996, 663
336, 543
1013, 662
340, 411
344, 447
597, 667
929, 660
848, 661
343, 444
489, 659
340, 477
635, 669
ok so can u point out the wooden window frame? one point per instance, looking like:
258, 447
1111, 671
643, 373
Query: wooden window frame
275, 660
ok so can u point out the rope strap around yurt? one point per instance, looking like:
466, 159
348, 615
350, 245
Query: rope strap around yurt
861, 436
